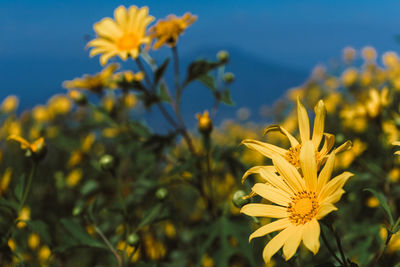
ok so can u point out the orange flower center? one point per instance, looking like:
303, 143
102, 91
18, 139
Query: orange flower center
303, 208
293, 156
127, 42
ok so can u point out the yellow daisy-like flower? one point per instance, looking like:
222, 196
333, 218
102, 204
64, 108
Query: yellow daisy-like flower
94, 83
37, 147
301, 201
292, 154
167, 31
123, 36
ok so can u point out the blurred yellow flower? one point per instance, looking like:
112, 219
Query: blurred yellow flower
123, 36
9, 104
24, 215
168, 30
59, 105
204, 122
44, 254
302, 200
5, 180
41, 114
394, 174
372, 202
74, 177
33, 241
292, 154
369, 54
349, 77
94, 83
37, 147
390, 59
11, 244
376, 101
349, 54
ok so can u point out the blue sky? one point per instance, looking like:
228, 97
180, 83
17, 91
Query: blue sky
42, 37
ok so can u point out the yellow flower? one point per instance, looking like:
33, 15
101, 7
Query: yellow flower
59, 104
41, 113
11, 244
349, 54
33, 241
292, 154
94, 83
123, 36
349, 77
74, 177
167, 31
376, 101
390, 59
5, 180
369, 54
301, 201
38, 147
204, 122
24, 215
44, 254
9, 104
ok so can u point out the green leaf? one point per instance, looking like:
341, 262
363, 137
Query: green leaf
226, 98
209, 82
153, 214
79, 233
41, 229
396, 226
19, 188
200, 68
159, 72
163, 94
383, 204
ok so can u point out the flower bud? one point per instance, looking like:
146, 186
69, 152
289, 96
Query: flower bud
239, 199
77, 210
133, 239
78, 97
161, 193
229, 77
204, 123
223, 56
107, 163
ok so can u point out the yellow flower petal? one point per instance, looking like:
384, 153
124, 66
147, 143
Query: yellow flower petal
318, 131
325, 209
293, 242
293, 141
344, 147
272, 194
271, 227
268, 173
277, 242
311, 236
326, 172
289, 173
304, 122
23, 142
335, 197
334, 185
264, 210
266, 149
108, 28
309, 165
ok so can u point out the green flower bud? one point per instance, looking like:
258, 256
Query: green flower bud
107, 163
133, 239
229, 77
239, 199
161, 193
223, 56
77, 211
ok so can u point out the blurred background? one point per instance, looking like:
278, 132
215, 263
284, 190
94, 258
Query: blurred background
273, 44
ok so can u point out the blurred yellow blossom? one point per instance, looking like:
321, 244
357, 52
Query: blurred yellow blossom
74, 177
95, 83
349, 54
11, 244
59, 104
123, 36
204, 122
372, 202
394, 174
168, 30
390, 59
44, 254
369, 54
349, 77
376, 101
5, 180
37, 147
24, 215
9, 104
33, 241
41, 114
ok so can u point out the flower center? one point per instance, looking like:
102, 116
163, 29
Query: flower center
303, 208
293, 156
127, 42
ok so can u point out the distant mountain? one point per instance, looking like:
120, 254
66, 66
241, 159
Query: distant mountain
257, 82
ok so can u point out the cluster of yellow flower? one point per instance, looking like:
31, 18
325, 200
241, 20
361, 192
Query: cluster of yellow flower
298, 183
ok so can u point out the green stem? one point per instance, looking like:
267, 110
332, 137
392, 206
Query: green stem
28, 186
339, 245
328, 246
110, 247
382, 250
